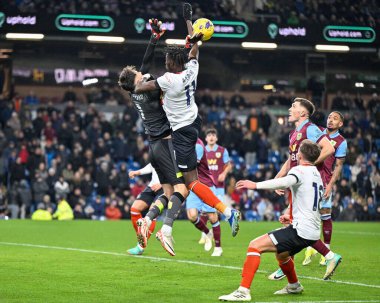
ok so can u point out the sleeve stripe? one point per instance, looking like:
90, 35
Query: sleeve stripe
295, 177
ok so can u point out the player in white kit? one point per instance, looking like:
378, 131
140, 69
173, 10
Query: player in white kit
144, 201
306, 185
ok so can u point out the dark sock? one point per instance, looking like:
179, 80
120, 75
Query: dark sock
174, 207
158, 207
216, 232
200, 225
204, 218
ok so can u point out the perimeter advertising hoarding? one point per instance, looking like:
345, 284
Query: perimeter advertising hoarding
225, 30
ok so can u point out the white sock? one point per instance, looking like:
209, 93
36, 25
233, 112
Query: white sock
294, 285
330, 255
166, 230
327, 245
244, 290
227, 213
140, 246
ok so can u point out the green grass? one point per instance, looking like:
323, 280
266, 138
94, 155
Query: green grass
35, 274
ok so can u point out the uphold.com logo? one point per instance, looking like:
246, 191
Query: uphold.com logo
272, 30
139, 25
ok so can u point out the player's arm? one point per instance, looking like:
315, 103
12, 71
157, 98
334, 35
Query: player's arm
336, 174
157, 32
326, 150
284, 169
147, 169
227, 166
190, 39
280, 183
314, 134
146, 86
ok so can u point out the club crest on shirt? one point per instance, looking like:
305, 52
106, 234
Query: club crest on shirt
299, 136
218, 155
333, 143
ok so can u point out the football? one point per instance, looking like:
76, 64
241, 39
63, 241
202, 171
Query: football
204, 26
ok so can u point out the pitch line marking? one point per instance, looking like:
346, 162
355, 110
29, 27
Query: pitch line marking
188, 262
364, 233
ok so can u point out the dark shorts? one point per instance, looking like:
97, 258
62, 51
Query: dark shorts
184, 141
149, 196
162, 158
287, 239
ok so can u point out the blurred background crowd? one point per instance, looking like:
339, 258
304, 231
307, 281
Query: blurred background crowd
54, 155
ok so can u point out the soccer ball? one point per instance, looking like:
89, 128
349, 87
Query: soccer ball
205, 27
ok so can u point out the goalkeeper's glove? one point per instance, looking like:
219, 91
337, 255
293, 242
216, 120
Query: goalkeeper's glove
156, 29
187, 12
195, 38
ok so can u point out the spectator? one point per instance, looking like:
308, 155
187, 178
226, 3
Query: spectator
41, 214
61, 188
98, 207
113, 212
64, 211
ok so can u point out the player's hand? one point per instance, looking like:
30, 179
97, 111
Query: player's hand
187, 12
245, 184
280, 192
156, 187
156, 29
221, 177
133, 173
195, 38
285, 219
327, 192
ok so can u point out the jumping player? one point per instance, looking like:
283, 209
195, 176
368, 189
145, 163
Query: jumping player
143, 201
303, 222
178, 86
330, 170
194, 205
157, 126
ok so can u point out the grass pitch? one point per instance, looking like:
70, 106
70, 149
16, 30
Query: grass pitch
86, 261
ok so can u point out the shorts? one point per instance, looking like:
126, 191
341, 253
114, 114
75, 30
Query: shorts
184, 141
162, 158
149, 196
287, 239
220, 193
326, 203
193, 201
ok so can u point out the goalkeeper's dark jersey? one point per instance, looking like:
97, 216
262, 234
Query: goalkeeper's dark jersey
152, 114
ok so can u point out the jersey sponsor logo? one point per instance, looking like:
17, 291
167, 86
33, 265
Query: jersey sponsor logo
218, 155
211, 161
299, 136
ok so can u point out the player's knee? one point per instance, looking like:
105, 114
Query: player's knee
182, 189
192, 215
213, 217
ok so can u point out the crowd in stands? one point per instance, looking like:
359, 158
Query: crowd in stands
71, 164
295, 12
292, 12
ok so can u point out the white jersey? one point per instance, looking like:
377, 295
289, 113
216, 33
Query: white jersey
149, 169
179, 88
306, 197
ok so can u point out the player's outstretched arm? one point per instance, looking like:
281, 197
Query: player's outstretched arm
326, 150
145, 86
336, 174
283, 182
157, 32
191, 39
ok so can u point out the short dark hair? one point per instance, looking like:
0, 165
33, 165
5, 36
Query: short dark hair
127, 78
310, 150
211, 131
177, 54
339, 114
306, 104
